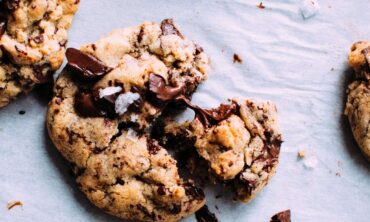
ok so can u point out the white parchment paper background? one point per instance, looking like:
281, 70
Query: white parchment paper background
299, 64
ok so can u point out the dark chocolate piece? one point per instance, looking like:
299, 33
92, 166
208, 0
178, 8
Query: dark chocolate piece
157, 85
87, 66
193, 191
168, 28
204, 215
283, 216
212, 116
85, 105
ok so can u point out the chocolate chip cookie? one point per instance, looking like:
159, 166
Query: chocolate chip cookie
100, 119
239, 141
358, 100
33, 36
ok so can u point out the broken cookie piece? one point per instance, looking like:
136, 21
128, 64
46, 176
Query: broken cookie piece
358, 99
33, 37
100, 118
240, 142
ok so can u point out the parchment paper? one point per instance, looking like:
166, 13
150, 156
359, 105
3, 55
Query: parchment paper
300, 64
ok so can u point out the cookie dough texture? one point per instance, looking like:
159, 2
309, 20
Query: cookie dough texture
118, 166
242, 150
358, 100
33, 43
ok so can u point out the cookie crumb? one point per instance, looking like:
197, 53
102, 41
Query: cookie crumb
261, 6
218, 196
22, 112
338, 174
301, 154
14, 204
237, 59
283, 216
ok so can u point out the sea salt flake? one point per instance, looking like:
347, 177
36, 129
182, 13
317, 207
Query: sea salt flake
311, 162
309, 8
109, 91
124, 101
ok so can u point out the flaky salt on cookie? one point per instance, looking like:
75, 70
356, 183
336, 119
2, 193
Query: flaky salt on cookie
100, 119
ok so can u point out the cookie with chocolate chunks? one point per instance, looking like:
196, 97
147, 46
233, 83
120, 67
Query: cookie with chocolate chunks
358, 96
33, 36
105, 103
240, 141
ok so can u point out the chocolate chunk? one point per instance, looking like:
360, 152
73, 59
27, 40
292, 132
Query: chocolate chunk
153, 147
87, 66
43, 73
204, 215
281, 217
157, 85
10, 5
366, 53
237, 59
22, 112
168, 28
212, 116
38, 39
85, 105
193, 191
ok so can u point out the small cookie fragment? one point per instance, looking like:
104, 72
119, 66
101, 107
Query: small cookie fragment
14, 204
301, 154
358, 99
283, 216
239, 141
237, 59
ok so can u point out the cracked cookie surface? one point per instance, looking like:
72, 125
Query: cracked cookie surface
358, 100
33, 36
104, 104
240, 142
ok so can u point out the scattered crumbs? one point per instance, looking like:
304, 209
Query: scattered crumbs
301, 154
311, 162
261, 6
14, 204
22, 112
237, 59
338, 174
309, 8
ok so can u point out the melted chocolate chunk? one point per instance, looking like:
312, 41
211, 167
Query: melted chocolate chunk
87, 66
157, 86
204, 215
193, 191
168, 28
281, 217
85, 105
212, 116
